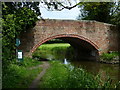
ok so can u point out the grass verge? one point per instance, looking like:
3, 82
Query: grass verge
18, 75
62, 76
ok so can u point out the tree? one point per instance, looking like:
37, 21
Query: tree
99, 11
115, 19
108, 12
16, 18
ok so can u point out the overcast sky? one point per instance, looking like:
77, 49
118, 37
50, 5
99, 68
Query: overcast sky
64, 14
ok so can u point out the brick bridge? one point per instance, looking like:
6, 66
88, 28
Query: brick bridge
89, 38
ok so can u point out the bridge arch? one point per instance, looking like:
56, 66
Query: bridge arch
65, 36
72, 37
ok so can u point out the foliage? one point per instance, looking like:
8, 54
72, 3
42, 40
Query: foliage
62, 76
116, 15
16, 18
55, 41
99, 11
28, 62
108, 12
12, 7
18, 75
109, 56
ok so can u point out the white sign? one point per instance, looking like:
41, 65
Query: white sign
19, 55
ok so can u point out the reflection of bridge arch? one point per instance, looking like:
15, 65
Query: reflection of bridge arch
64, 36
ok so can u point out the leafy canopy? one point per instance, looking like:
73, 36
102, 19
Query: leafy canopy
108, 12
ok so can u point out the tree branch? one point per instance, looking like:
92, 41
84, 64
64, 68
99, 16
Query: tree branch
67, 7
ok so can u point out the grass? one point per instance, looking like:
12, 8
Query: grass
54, 46
62, 76
18, 75
54, 79
55, 49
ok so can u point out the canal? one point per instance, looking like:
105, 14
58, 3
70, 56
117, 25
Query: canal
65, 53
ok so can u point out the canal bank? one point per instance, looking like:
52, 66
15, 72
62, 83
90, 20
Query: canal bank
61, 75
64, 53
110, 58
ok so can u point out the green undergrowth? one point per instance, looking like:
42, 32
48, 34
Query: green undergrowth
66, 76
18, 74
28, 62
110, 56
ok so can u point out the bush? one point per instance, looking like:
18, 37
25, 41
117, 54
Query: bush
29, 62
109, 56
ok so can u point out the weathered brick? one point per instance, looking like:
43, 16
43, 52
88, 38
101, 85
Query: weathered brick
103, 37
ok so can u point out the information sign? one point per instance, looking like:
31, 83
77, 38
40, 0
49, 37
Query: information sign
20, 55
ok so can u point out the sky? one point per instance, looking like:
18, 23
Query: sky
64, 14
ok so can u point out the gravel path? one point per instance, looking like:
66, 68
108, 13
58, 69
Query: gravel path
37, 80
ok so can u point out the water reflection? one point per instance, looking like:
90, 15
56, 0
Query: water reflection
104, 70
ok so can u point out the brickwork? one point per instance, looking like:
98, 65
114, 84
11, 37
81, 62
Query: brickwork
101, 36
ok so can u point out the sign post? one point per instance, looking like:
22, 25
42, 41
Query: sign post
17, 42
20, 55
19, 52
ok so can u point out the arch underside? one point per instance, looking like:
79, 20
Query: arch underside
79, 40
81, 44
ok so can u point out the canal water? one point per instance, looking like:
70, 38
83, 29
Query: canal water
65, 54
